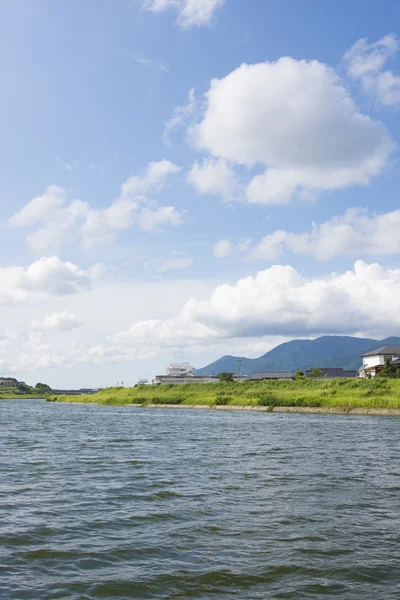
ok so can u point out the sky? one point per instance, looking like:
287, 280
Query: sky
184, 179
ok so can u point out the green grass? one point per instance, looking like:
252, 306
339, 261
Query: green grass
340, 394
19, 396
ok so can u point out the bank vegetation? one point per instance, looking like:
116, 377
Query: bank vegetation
342, 395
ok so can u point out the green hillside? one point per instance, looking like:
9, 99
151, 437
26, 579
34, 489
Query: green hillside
326, 351
18, 389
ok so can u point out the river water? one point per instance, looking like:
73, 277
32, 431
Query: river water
115, 502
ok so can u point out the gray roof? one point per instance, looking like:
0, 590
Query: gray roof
384, 351
273, 375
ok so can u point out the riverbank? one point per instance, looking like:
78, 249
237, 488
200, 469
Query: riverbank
382, 412
336, 395
21, 396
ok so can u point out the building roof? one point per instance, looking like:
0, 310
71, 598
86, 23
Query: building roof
273, 375
384, 351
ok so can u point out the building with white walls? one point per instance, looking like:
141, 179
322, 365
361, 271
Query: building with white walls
180, 370
374, 362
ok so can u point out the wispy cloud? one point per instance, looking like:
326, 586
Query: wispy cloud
59, 221
180, 117
191, 13
365, 63
151, 64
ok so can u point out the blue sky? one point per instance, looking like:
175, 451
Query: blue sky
158, 154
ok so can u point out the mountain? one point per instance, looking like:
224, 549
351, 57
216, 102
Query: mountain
326, 351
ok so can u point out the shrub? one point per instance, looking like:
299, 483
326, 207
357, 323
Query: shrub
139, 399
166, 400
313, 373
223, 400
268, 400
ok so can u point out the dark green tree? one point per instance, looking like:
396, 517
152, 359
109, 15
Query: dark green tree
389, 370
43, 386
300, 375
22, 387
225, 377
314, 373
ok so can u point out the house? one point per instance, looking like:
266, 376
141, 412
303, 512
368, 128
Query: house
334, 372
374, 362
9, 382
278, 375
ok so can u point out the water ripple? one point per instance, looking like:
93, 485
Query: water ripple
116, 503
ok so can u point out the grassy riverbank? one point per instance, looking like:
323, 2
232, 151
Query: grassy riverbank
337, 394
15, 394
21, 397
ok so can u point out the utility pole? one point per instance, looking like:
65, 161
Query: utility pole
239, 363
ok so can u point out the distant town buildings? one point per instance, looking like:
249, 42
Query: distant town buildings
373, 363
181, 373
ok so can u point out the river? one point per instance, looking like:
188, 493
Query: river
115, 503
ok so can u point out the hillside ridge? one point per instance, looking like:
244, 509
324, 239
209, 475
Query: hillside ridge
300, 354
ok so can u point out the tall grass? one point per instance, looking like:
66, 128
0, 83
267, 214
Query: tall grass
342, 394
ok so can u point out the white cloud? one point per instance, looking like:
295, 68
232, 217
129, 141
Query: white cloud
152, 64
62, 223
353, 234
296, 120
57, 227
45, 277
102, 225
23, 350
40, 207
214, 177
365, 63
180, 117
153, 178
157, 219
29, 352
190, 12
223, 249
279, 301
61, 321
254, 311
71, 166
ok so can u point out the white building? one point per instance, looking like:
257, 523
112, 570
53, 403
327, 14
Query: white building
374, 361
180, 370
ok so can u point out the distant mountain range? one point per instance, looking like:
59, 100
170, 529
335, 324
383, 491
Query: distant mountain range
326, 351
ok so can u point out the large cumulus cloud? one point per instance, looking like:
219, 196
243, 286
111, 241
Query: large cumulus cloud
296, 123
